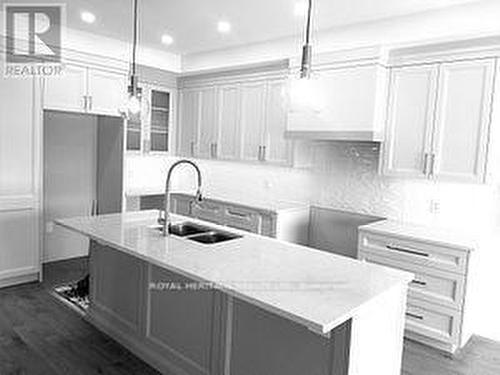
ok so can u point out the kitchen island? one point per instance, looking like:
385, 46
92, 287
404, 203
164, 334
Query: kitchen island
247, 306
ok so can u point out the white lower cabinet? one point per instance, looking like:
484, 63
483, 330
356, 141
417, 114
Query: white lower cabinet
437, 295
288, 225
19, 182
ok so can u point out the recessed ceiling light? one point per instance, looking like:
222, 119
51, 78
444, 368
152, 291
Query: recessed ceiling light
300, 8
87, 17
223, 27
167, 39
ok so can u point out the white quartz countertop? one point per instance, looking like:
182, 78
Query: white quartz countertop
314, 288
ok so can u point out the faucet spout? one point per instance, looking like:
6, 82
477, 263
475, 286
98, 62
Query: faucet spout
199, 197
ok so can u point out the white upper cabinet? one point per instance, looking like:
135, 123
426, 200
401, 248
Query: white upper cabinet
410, 119
276, 147
67, 92
228, 145
89, 90
462, 120
107, 91
438, 120
208, 129
237, 117
189, 122
253, 96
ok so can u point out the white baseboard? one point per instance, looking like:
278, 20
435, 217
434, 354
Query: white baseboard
19, 276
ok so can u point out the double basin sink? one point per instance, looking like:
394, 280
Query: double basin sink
200, 233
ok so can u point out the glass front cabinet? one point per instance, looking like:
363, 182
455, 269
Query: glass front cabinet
151, 131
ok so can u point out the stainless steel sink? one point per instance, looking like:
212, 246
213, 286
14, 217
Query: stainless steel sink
214, 237
199, 233
187, 229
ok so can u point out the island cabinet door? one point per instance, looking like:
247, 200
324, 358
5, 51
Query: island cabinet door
182, 322
117, 294
264, 343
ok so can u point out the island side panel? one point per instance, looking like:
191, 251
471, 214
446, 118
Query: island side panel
117, 294
377, 334
264, 343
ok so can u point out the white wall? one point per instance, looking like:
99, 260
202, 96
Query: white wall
468, 20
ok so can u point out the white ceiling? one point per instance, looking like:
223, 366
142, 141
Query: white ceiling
192, 23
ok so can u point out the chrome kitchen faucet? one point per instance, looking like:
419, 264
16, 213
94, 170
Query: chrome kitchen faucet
198, 198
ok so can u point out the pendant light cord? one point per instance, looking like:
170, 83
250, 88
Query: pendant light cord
134, 45
308, 24
305, 67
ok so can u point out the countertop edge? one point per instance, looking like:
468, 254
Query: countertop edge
319, 328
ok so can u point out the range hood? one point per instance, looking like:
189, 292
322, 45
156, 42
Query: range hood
345, 100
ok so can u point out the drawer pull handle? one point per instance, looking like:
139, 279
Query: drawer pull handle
401, 250
418, 282
239, 214
414, 316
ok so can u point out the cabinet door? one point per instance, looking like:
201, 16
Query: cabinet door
228, 145
276, 147
252, 111
190, 118
159, 120
463, 119
208, 128
107, 92
410, 120
68, 91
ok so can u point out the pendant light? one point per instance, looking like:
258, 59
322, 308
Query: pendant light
306, 62
134, 92
304, 93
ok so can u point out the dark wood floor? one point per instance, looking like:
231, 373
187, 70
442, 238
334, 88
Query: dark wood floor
38, 335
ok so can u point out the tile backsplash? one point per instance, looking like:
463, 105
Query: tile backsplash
344, 176
347, 178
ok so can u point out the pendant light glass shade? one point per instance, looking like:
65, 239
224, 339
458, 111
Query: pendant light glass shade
133, 105
134, 100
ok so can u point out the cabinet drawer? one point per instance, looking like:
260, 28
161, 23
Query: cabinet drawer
414, 252
243, 219
208, 211
433, 285
435, 322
